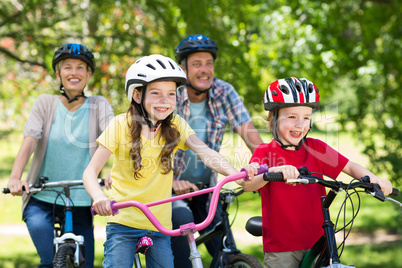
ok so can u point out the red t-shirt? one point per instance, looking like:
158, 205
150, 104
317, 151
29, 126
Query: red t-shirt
292, 215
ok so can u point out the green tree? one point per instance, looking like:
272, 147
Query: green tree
350, 49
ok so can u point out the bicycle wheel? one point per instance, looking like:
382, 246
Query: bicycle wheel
64, 257
244, 261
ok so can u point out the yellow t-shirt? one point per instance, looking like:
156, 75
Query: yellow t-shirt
152, 185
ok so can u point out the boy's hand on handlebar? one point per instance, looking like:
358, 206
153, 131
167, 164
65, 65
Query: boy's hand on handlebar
251, 169
102, 206
288, 171
16, 186
386, 186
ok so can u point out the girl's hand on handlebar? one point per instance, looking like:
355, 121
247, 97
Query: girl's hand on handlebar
288, 171
102, 206
16, 186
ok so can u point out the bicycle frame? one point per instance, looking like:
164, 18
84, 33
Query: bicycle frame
326, 246
325, 251
222, 228
68, 237
191, 228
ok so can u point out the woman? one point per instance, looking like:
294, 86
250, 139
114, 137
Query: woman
61, 131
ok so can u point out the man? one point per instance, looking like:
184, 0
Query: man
207, 104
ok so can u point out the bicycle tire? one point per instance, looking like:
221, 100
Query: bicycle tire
64, 258
244, 261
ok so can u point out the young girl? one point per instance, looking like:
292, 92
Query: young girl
143, 142
292, 215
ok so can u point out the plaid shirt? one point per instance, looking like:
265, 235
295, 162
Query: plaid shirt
224, 106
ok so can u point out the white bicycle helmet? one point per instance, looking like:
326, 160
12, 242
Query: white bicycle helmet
151, 68
290, 92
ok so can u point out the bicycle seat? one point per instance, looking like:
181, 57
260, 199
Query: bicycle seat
143, 244
254, 226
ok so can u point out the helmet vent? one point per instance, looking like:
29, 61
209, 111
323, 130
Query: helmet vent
142, 75
310, 88
274, 93
298, 87
151, 66
285, 89
161, 64
171, 65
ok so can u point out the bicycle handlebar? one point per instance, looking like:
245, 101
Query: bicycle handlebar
39, 186
373, 188
190, 227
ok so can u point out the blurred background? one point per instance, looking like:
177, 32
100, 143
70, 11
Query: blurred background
351, 50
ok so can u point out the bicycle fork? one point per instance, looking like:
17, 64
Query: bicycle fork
69, 236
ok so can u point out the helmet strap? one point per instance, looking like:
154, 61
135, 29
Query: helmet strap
199, 92
275, 135
63, 93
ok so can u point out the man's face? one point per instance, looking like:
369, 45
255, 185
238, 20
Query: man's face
200, 70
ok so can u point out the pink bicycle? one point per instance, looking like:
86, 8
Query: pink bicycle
187, 229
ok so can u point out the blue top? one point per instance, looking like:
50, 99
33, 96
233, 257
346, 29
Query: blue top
194, 169
67, 154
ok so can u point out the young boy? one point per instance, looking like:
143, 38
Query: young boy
292, 215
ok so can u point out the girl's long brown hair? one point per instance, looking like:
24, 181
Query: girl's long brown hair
169, 134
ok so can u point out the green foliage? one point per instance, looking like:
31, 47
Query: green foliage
350, 49
373, 256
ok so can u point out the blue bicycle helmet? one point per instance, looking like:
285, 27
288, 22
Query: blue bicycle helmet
195, 43
74, 51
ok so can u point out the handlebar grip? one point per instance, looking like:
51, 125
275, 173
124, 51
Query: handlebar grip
395, 192
262, 169
273, 176
93, 212
6, 191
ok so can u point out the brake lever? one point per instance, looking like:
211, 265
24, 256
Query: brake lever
377, 193
396, 202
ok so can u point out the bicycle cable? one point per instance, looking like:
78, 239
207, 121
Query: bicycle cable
346, 234
348, 196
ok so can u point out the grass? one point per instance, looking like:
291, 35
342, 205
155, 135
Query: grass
19, 252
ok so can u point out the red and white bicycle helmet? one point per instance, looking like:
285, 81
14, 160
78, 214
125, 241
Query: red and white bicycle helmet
290, 92
151, 68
